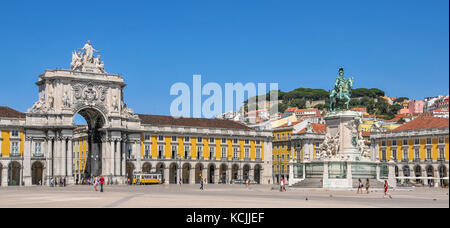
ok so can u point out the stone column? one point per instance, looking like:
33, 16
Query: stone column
325, 174
216, 175
26, 169
69, 171
117, 157
104, 159
4, 175
112, 156
291, 173
378, 169
49, 159
64, 157
166, 175
123, 155
137, 152
192, 175
349, 174
228, 171
391, 175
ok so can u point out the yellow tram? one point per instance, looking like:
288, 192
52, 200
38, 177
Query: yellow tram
147, 178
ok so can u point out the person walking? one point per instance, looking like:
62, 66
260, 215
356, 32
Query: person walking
360, 186
52, 182
367, 185
95, 183
201, 184
386, 187
102, 181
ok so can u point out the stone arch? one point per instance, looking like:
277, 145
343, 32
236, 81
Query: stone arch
257, 175
198, 172
186, 173
95, 119
160, 169
14, 173
223, 174
443, 172
130, 170
246, 172
173, 173
406, 172
211, 176
235, 172
147, 167
37, 170
418, 172
430, 173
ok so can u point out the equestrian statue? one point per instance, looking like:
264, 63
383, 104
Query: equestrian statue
342, 90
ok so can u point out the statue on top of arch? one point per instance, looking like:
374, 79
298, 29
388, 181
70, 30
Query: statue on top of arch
83, 60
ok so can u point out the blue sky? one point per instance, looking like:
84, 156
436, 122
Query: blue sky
399, 46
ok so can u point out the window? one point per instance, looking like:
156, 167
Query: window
160, 152
235, 152
282, 157
428, 153
441, 154
394, 154
147, 151
428, 141
211, 153
160, 138
15, 148
247, 141
441, 140
174, 138
211, 140
405, 142
15, 133
199, 139
199, 152
186, 139
235, 141
405, 155
278, 157
258, 142
147, 137
174, 152
383, 143
287, 157
416, 154
224, 152
224, 140
247, 153
416, 141
394, 142
187, 152
258, 153
37, 148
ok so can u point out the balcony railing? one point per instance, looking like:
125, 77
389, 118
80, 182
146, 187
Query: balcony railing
38, 155
14, 155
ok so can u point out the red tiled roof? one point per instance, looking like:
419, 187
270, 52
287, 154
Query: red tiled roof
287, 124
191, 122
319, 128
365, 133
8, 112
423, 122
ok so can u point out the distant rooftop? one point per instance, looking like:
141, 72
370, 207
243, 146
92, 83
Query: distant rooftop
7, 112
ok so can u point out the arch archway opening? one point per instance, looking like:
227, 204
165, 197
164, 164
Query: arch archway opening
88, 136
36, 173
14, 173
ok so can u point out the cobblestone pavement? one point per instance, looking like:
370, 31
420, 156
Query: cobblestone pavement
222, 196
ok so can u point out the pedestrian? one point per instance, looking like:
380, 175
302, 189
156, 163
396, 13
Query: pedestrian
180, 181
76, 181
102, 181
367, 185
360, 186
386, 186
282, 185
52, 182
201, 184
95, 183
63, 183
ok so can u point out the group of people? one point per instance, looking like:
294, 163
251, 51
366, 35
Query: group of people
55, 181
361, 186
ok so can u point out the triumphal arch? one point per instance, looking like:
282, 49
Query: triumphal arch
85, 89
120, 142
